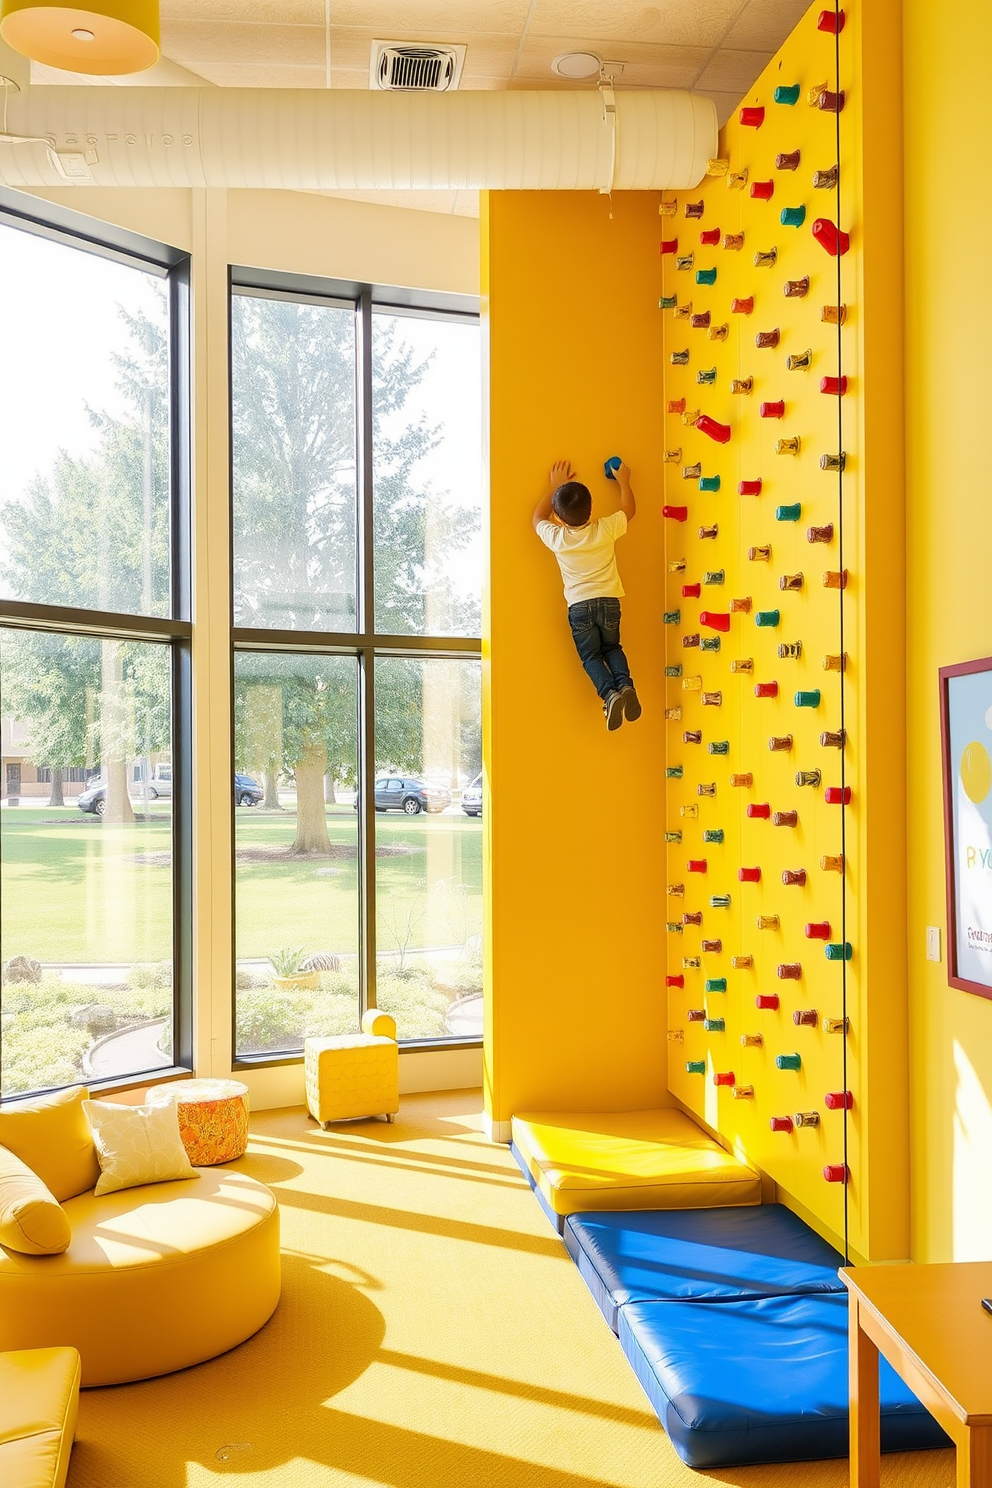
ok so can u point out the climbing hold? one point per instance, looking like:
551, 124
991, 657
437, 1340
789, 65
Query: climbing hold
696, 1015
837, 795
841, 951
780, 743
813, 94
826, 180
705, 790
741, 606
805, 1018
839, 1100
810, 699
680, 358
706, 276
749, 875
765, 339
752, 117
788, 161
724, 1078
836, 663
763, 554
711, 700
669, 245
788, 1061
719, 901
742, 780
673, 772
809, 777
695, 209
780, 1123
611, 466
796, 289
692, 736
743, 385
709, 483
785, 818
833, 314
835, 1025
709, 237
709, 531
742, 963
790, 650
714, 984
787, 94
837, 1173
717, 746
706, 377
799, 361
743, 1092
767, 1001
677, 405
672, 617
667, 302
696, 865
766, 260
674, 836
749, 488
714, 1025
675, 981
831, 21
792, 216
758, 811
675, 513
794, 878
737, 180
833, 462
713, 430
832, 864
668, 208
733, 241
831, 103
714, 621
789, 513
714, 834
835, 386
695, 1066
690, 591
742, 665
772, 410
742, 305
675, 890
692, 472
789, 971
820, 534
833, 739
684, 262
768, 922
788, 446
830, 237
762, 190
766, 689
766, 618
752, 1040
719, 332
691, 963
835, 579
673, 927
673, 671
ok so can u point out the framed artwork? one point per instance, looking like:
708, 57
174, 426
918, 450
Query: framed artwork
966, 744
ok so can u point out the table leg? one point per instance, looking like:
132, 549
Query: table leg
975, 1458
866, 1449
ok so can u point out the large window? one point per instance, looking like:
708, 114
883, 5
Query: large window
94, 921
356, 458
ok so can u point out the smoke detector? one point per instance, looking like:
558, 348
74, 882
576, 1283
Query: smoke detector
412, 67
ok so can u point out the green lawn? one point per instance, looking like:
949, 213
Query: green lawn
78, 890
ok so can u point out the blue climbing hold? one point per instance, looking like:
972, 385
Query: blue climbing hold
611, 466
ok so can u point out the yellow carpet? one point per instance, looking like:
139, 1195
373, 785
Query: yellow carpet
432, 1334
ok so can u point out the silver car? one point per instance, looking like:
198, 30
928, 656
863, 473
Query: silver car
472, 798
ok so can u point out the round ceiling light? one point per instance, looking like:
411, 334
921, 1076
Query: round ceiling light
119, 37
576, 65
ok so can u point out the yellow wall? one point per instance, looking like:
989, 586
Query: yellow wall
948, 82
576, 942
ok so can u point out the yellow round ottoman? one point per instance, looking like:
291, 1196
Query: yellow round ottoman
213, 1118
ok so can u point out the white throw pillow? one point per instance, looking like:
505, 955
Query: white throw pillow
136, 1144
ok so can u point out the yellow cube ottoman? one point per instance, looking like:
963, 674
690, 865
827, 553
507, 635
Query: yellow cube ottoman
354, 1074
39, 1399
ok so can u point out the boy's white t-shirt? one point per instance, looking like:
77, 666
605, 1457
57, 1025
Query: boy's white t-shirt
586, 556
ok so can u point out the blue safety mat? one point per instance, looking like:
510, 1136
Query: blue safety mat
760, 1381
711, 1255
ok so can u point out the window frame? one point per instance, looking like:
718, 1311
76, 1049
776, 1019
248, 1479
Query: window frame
363, 643
119, 245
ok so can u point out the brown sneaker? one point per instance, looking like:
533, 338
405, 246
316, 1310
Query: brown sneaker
613, 709
631, 704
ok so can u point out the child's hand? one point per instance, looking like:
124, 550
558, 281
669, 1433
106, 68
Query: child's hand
622, 476
561, 471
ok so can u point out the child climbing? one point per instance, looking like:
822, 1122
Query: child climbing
586, 557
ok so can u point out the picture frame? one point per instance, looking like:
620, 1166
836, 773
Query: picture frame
966, 757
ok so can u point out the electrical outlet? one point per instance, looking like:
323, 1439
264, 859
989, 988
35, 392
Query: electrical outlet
933, 942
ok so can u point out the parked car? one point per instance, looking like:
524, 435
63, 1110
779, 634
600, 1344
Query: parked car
472, 798
159, 784
404, 793
247, 792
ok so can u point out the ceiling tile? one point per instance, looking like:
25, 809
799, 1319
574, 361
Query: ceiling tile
226, 75
646, 66
733, 72
668, 22
763, 25
726, 103
199, 43
455, 18
245, 12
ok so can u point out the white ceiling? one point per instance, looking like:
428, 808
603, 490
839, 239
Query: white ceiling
716, 47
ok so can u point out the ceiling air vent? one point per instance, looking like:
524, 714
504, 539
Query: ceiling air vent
405, 67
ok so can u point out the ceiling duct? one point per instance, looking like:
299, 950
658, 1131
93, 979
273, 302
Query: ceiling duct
402, 67
337, 140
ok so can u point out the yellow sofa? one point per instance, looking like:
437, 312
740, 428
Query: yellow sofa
152, 1278
39, 1399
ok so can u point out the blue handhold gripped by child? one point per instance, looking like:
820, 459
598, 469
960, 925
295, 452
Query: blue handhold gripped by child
586, 554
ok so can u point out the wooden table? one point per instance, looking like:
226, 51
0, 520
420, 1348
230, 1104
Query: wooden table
929, 1323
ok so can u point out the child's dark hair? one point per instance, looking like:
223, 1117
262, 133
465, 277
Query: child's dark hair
572, 503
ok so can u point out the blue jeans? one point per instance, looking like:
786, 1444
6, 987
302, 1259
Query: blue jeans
596, 632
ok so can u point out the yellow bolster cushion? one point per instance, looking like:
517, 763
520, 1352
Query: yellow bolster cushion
51, 1134
31, 1220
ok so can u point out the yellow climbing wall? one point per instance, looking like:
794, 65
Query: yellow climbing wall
777, 669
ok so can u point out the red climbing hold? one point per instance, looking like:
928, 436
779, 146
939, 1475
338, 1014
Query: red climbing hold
710, 237
781, 1123
759, 811
676, 513
714, 621
768, 1001
837, 386
726, 1077
830, 237
710, 427
669, 245
837, 795
818, 930
839, 1100
749, 488
691, 591
831, 21
762, 190
749, 875
773, 410
836, 1173
752, 118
